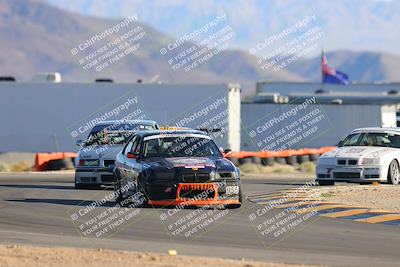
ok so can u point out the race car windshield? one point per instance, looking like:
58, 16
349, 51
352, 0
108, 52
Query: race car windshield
373, 139
169, 147
116, 134
108, 138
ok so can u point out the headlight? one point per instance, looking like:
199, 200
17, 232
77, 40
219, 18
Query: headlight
370, 161
89, 162
223, 175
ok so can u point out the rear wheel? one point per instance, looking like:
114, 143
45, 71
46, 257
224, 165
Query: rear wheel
394, 173
324, 183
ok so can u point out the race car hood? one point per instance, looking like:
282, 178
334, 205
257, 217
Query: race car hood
168, 168
359, 152
104, 151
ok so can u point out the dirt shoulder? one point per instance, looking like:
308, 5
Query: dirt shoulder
16, 256
384, 197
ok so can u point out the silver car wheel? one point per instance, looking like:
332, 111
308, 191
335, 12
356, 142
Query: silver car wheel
394, 173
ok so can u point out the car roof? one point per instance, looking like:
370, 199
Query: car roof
171, 132
142, 122
377, 130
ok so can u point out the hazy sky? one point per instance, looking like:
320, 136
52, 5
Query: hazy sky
362, 25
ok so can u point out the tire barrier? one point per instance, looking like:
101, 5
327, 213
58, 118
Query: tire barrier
290, 157
58, 164
266, 161
281, 161
61, 161
54, 161
291, 160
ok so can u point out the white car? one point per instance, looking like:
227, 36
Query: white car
366, 155
96, 156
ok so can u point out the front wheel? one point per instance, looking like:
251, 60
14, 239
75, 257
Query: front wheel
143, 201
117, 190
394, 173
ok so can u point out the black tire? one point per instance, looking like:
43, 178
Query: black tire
59, 164
267, 161
393, 173
119, 199
244, 161
280, 161
86, 186
303, 158
325, 183
142, 189
117, 185
291, 160
79, 186
256, 160
314, 157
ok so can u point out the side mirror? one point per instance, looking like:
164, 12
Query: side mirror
79, 143
340, 143
227, 151
131, 155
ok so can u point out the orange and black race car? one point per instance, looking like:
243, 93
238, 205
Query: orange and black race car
185, 168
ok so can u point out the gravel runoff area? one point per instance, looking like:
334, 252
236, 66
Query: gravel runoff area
386, 197
16, 256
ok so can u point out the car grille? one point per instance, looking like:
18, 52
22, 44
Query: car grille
352, 162
196, 194
372, 176
88, 179
346, 162
107, 178
195, 177
203, 177
352, 175
109, 163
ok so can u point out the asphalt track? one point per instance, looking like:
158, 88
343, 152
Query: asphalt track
37, 208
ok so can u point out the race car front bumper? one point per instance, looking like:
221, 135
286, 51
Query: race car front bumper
94, 176
201, 194
357, 174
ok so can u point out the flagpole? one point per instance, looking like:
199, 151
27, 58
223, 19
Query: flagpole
322, 72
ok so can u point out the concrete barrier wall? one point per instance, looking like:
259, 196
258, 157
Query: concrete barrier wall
336, 123
45, 117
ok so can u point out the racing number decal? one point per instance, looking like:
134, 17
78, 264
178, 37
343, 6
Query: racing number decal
232, 190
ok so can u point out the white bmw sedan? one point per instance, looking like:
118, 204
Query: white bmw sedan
365, 155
